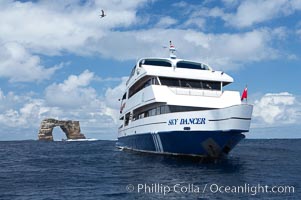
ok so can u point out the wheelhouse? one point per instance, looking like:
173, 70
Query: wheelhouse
140, 79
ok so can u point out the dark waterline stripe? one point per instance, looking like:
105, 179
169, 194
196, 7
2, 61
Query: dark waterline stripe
213, 120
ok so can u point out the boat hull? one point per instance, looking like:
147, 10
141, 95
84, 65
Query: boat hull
209, 133
187, 143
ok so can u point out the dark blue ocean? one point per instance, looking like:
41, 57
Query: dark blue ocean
97, 170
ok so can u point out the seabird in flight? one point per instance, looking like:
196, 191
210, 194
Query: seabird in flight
102, 14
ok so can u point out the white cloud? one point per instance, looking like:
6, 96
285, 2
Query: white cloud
276, 109
23, 112
252, 12
77, 97
10, 100
247, 13
1, 95
73, 92
226, 51
181, 4
50, 28
230, 2
195, 21
165, 22
18, 65
76, 28
112, 97
242, 48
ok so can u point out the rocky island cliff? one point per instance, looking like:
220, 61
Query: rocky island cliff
69, 127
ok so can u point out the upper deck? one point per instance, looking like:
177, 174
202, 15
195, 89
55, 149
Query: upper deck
176, 68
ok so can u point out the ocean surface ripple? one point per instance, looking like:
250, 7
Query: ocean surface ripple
98, 170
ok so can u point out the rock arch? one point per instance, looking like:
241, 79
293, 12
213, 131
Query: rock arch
69, 127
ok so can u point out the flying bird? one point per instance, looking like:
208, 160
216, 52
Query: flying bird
102, 15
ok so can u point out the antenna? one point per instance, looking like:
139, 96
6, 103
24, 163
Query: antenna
172, 51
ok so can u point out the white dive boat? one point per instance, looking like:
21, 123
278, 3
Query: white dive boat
179, 107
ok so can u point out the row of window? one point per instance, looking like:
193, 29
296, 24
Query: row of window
142, 84
187, 83
154, 111
180, 64
173, 82
166, 109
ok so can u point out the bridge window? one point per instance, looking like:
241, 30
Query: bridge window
170, 82
143, 83
156, 62
188, 83
192, 65
211, 85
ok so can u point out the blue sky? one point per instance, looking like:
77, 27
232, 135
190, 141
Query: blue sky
61, 60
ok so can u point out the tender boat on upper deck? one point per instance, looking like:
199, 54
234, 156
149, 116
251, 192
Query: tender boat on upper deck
179, 107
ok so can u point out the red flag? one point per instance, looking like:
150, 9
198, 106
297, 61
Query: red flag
244, 94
